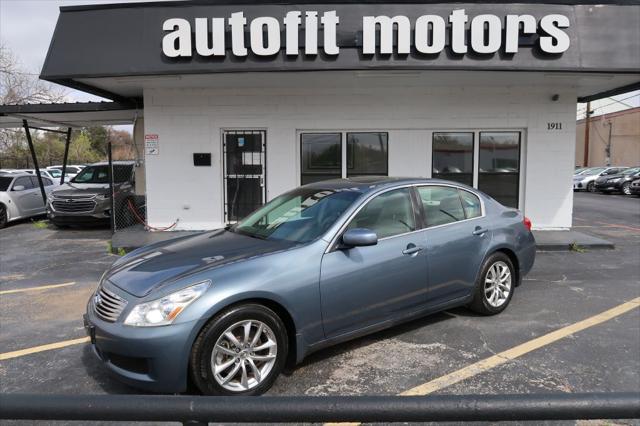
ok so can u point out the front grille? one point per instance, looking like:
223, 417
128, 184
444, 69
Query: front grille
71, 205
108, 305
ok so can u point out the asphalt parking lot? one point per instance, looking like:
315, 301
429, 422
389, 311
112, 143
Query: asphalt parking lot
425, 356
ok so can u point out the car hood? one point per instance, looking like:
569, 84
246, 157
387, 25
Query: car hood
81, 189
161, 264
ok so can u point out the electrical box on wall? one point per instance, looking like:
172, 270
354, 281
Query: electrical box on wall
202, 159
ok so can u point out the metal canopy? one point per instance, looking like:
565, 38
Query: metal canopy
70, 114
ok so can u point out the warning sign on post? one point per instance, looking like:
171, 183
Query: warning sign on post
151, 145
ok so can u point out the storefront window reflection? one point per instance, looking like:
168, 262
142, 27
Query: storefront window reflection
499, 165
453, 156
321, 157
367, 154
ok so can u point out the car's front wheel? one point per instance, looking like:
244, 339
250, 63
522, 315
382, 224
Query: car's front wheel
591, 187
495, 285
3, 216
626, 188
239, 352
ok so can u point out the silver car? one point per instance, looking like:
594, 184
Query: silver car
586, 180
20, 196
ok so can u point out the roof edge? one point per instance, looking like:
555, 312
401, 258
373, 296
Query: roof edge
177, 3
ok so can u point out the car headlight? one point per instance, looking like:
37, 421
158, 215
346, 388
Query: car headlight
103, 196
164, 310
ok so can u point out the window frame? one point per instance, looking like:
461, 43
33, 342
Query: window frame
520, 172
418, 212
301, 145
346, 143
15, 183
473, 151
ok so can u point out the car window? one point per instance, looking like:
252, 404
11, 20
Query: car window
594, 171
471, 204
632, 171
55, 173
441, 205
388, 214
5, 181
46, 181
24, 181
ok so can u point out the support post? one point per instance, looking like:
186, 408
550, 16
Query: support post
587, 124
66, 155
35, 160
113, 213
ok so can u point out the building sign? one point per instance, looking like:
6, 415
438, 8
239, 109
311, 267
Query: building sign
311, 33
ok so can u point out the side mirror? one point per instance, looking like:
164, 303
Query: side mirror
359, 237
18, 188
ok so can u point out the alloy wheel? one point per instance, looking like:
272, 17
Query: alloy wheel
626, 188
3, 215
244, 355
591, 187
497, 284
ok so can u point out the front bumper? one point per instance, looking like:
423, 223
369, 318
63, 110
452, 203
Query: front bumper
150, 358
578, 185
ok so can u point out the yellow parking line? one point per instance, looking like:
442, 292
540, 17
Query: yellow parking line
42, 348
43, 287
513, 353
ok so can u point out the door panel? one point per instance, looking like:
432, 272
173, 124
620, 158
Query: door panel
244, 172
362, 286
457, 239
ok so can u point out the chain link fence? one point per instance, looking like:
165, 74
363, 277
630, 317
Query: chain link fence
128, 193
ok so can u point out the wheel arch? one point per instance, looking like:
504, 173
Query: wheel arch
512, 257
278, 308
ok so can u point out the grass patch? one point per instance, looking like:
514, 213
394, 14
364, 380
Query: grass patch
40, 224
575, 247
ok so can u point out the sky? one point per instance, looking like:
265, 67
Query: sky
26, 27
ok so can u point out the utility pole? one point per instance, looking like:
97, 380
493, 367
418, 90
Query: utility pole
608, 150
587, 124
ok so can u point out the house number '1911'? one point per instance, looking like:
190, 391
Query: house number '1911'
554, 126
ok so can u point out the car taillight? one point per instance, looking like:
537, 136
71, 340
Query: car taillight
527, 223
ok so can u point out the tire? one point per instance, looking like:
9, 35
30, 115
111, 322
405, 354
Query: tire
484, 302
3, 216
591, 187
626, 188
234, 361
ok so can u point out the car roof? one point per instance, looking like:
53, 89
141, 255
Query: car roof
14, 174
117, 163
367, 184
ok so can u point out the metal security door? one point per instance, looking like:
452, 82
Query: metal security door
244, 172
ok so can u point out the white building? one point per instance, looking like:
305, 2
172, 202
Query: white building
242, 102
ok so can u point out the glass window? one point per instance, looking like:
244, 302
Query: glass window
499, 174
441, 205
471, 204
93, 174
5, 181
452, 157
388, 214
23, 181
367, 154
299, 216
321, 156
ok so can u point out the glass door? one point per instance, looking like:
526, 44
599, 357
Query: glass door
499, 166
244, 172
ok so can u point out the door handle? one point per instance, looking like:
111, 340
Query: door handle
411, 249
479, 231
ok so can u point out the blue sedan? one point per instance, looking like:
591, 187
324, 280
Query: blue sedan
324, 263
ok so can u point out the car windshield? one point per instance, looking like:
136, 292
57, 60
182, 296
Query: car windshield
5, 181
100, 174
631, 171
54, 172
593, 171
298, 216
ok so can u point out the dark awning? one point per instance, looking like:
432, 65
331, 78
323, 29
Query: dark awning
69, 114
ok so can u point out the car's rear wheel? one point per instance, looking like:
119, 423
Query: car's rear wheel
240, 352
3, 216
626, 188
591, 187
495, 285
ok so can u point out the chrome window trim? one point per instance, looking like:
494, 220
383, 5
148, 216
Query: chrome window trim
334, 240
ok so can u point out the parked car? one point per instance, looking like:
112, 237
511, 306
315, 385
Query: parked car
20, 196
53, 174
620, 182
87, 197
634, 189
324, 263
70, 172
587, 179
